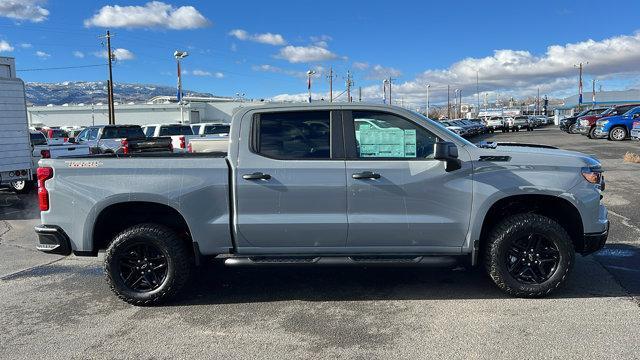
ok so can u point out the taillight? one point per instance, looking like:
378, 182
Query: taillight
44, 174
190, 148
182, 142
46, 154
125, 146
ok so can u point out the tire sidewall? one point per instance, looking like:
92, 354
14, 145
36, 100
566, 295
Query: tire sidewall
140, 235
553, 232
616, 129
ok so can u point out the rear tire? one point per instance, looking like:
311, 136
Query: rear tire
147, 264
22, 186
528, 255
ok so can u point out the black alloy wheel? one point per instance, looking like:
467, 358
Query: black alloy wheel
532, 259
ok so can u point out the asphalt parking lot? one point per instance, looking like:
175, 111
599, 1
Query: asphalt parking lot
61, 308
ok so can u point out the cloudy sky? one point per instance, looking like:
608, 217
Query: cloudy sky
264, 49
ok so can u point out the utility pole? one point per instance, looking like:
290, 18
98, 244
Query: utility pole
390, 81
448, 102
478, 91
538, 103
455, 103
460, 104
112, 113
349, 83
331, 84
384, 91
359, 93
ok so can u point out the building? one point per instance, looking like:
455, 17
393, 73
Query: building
160, 109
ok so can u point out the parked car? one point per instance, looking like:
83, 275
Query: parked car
180, 134
616, 128
635, 130
496, 123
456, 129
209, 128
55, 135
121, 139
297, 187
519, 122
586, 125
40, 148
568, 124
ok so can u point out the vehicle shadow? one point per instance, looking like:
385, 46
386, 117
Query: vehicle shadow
18, 206
216, 284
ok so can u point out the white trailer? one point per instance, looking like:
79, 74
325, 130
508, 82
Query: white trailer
15, 148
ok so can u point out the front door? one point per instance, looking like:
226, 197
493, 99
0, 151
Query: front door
290, 184
398, 197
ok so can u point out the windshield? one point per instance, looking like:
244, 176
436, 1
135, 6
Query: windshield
442, 127
129, 132
216, 129
171, 130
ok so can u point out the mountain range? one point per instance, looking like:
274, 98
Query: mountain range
87, 92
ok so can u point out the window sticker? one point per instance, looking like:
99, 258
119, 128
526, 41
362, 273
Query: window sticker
386, 142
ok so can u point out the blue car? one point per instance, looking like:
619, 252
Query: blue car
617, 127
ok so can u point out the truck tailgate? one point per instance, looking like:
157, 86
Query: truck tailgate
83, 187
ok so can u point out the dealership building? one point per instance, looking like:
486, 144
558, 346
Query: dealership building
160, 109
601, 99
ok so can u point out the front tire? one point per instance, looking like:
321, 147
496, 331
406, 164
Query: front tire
147, 264
618, 133
572, 129
529, 255
22, 186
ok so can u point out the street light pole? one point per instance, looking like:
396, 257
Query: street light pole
579, 66
428, 86
179, 55
310, 73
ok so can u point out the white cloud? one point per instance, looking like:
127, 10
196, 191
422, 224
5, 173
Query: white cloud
78, 54
5, 46
265, 38
306, 54
120, 54
197, 72
30, 10
319, 70
25, 45
154, 14
379, 72
360, 65
42, 54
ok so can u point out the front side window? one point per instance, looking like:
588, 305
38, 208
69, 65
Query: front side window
294, 135
149, 131
387, 136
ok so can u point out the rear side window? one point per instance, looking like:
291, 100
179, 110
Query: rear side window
171, 130
38, 139
129, 132
216, 129
294, 135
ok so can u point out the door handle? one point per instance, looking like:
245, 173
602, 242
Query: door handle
366, 175
256, 176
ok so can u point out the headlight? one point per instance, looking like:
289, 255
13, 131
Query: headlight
592, 174
603, 122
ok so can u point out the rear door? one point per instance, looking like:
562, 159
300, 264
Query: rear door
290, 183
399, 198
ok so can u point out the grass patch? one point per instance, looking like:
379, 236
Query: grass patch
631, 158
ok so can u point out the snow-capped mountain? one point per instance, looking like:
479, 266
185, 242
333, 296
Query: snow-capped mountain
87, 92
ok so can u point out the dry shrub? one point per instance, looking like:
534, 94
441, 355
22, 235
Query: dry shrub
632, 158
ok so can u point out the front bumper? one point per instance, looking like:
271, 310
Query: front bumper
600, 133
593, 242
52, 240
584, 130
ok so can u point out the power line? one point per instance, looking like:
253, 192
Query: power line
62, 67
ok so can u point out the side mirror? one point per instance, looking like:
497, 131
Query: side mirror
448, 152
71, 140
635, 116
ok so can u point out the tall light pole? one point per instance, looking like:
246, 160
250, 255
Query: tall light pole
593, 92
179, 55
478, 90
580, 66
310, 73
428, 86
384, 91
455, 103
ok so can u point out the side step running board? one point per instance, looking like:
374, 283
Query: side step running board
341, 260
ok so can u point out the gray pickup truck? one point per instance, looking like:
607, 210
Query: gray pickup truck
314, 184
